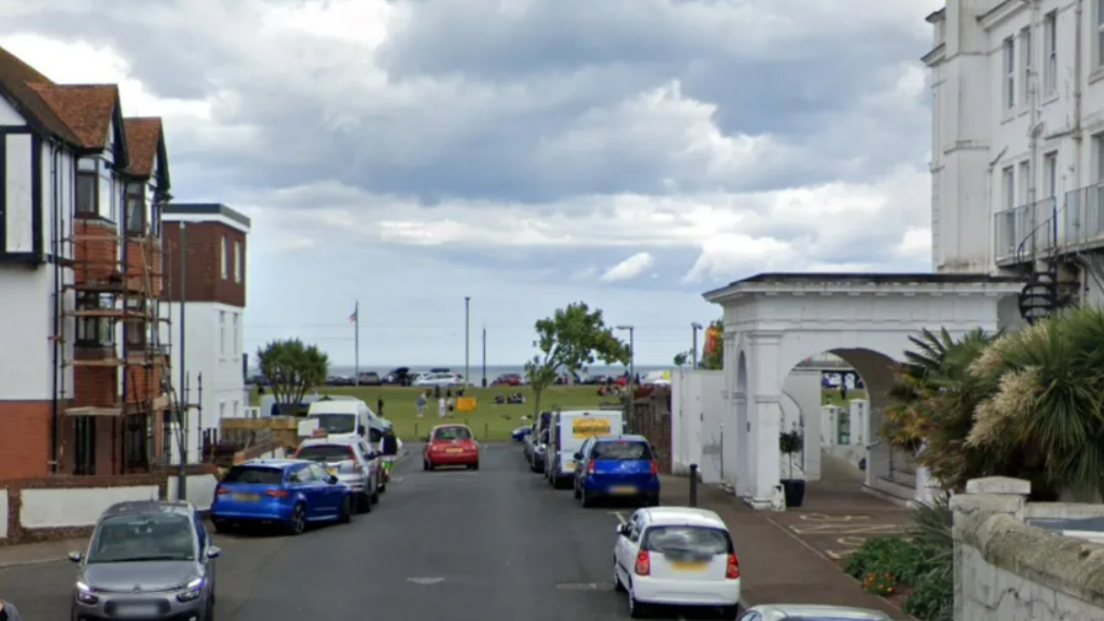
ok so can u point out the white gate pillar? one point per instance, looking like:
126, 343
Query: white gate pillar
765, 421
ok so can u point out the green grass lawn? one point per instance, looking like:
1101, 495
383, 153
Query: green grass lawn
489, 421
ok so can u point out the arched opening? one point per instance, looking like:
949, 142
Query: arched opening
836, 400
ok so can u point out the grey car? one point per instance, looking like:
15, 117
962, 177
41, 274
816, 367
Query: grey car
148, 561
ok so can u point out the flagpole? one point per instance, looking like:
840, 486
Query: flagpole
356, 343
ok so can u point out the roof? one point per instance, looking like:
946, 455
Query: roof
205, 209
279, 464
143, 139
683, 516
629, 437
447, 425
86, 109
815, 611
131, 507
16, 77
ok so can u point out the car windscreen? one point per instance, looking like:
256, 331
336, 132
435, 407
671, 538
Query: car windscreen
687, 540
621, 451
326, 452
256, 475
143, 537
452, 433
336, 423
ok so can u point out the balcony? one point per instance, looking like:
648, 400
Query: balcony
1030, 232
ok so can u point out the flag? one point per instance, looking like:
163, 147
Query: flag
353, 317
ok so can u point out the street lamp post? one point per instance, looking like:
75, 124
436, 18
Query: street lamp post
695, 326
467, 340
632, 354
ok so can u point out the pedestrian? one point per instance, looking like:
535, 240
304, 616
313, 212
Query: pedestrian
437, 391
390, 448
442, 407
451, 404
8, 612
421, 403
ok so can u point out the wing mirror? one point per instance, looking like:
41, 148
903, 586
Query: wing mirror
332, 479
74, 557
622, 529
214, 552
578, 456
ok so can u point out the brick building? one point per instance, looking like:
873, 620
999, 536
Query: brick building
83, 375
205, 249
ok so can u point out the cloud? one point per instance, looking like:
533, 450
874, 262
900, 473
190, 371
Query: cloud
630, 268
514, 150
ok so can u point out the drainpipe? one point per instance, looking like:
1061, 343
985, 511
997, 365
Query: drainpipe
59, 303
1033, 130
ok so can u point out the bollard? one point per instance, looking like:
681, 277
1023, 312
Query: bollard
693, 485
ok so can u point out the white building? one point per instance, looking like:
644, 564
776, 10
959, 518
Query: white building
1018, 144
213, 297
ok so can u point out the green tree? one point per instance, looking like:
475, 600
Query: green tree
571, 339
540, 376
682, 358
292, 368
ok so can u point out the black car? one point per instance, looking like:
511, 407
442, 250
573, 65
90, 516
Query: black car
401, 376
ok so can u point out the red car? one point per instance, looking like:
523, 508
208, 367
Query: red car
450, 445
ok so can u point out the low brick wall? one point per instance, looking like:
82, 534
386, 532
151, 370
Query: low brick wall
64, 507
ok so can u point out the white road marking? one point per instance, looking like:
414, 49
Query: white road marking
620, 516
425, 580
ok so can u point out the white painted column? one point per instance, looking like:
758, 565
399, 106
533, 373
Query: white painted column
765, 417
829, 430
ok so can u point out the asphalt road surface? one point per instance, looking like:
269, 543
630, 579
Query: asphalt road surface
493, 544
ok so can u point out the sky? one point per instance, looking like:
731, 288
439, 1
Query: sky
631, 154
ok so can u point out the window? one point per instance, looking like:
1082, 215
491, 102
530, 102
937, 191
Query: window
1025, 183
224, 257
1099, 33
222, 334
136, 438
135, 209
1050, 53
87, 194
1050, 174
1010, 73
95, 331
84, 445
1008, 185
234, 347
238, 261
1025, 66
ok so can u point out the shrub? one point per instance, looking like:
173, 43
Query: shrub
931, 597
883, 555
880, 583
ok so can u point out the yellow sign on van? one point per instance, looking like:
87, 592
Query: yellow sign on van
465, 404
587, 427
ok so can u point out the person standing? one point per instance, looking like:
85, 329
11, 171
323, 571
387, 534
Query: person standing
390, 448
421, 403
442, 406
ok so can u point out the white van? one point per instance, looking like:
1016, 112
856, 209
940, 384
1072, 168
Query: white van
346, 418
567, 432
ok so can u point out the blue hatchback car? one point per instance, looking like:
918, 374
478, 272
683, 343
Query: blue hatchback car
290, 492
616, 467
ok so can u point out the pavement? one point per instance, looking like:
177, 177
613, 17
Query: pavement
465, 545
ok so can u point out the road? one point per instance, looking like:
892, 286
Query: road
462, 545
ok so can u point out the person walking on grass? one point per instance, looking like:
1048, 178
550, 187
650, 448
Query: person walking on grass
442, 407
421, 403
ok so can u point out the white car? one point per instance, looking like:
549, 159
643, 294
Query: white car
438, 379
676, 556
802, 612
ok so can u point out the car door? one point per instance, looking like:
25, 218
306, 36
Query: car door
580, 464
204, 545
300, 480
626, 552
329, 494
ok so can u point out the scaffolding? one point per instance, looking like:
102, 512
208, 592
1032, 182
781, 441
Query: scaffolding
117, 281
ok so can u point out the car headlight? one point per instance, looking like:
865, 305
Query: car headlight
86, 594
191, 591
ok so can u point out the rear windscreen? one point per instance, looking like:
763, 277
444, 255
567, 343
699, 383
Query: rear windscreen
621, 451
694, 540
452, 433
254, 474
326, 452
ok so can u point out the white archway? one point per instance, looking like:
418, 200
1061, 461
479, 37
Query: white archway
773, 321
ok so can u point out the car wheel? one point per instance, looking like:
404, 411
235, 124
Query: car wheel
346, 514
223, 527
575, 486
365, 503
730, 612
298, 522
373, 499
209, 613
586, 499
475, 466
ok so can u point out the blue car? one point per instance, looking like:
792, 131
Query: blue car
519, 434
289, 492
621, 467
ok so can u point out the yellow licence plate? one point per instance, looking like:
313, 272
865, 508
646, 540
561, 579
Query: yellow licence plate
689, 565
623, 489
454, 450
247, 497
569, 465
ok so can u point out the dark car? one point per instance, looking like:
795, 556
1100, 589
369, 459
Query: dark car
400, 376
146, 560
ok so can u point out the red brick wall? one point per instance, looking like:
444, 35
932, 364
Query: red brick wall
139, 256
203, 270
143, 384
25, 438
96, 259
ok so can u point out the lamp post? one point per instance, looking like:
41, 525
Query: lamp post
695, 326
467, 340
632, 354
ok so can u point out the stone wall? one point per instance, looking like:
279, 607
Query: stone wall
1009, 570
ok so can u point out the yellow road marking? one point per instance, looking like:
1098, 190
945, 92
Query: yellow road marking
851, 542
822, 517
843, 529
840, 555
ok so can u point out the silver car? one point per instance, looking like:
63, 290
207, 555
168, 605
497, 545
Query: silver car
147, 560
352, 461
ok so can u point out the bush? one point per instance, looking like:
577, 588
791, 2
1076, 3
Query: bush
884, 555
880, 583
931, 597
